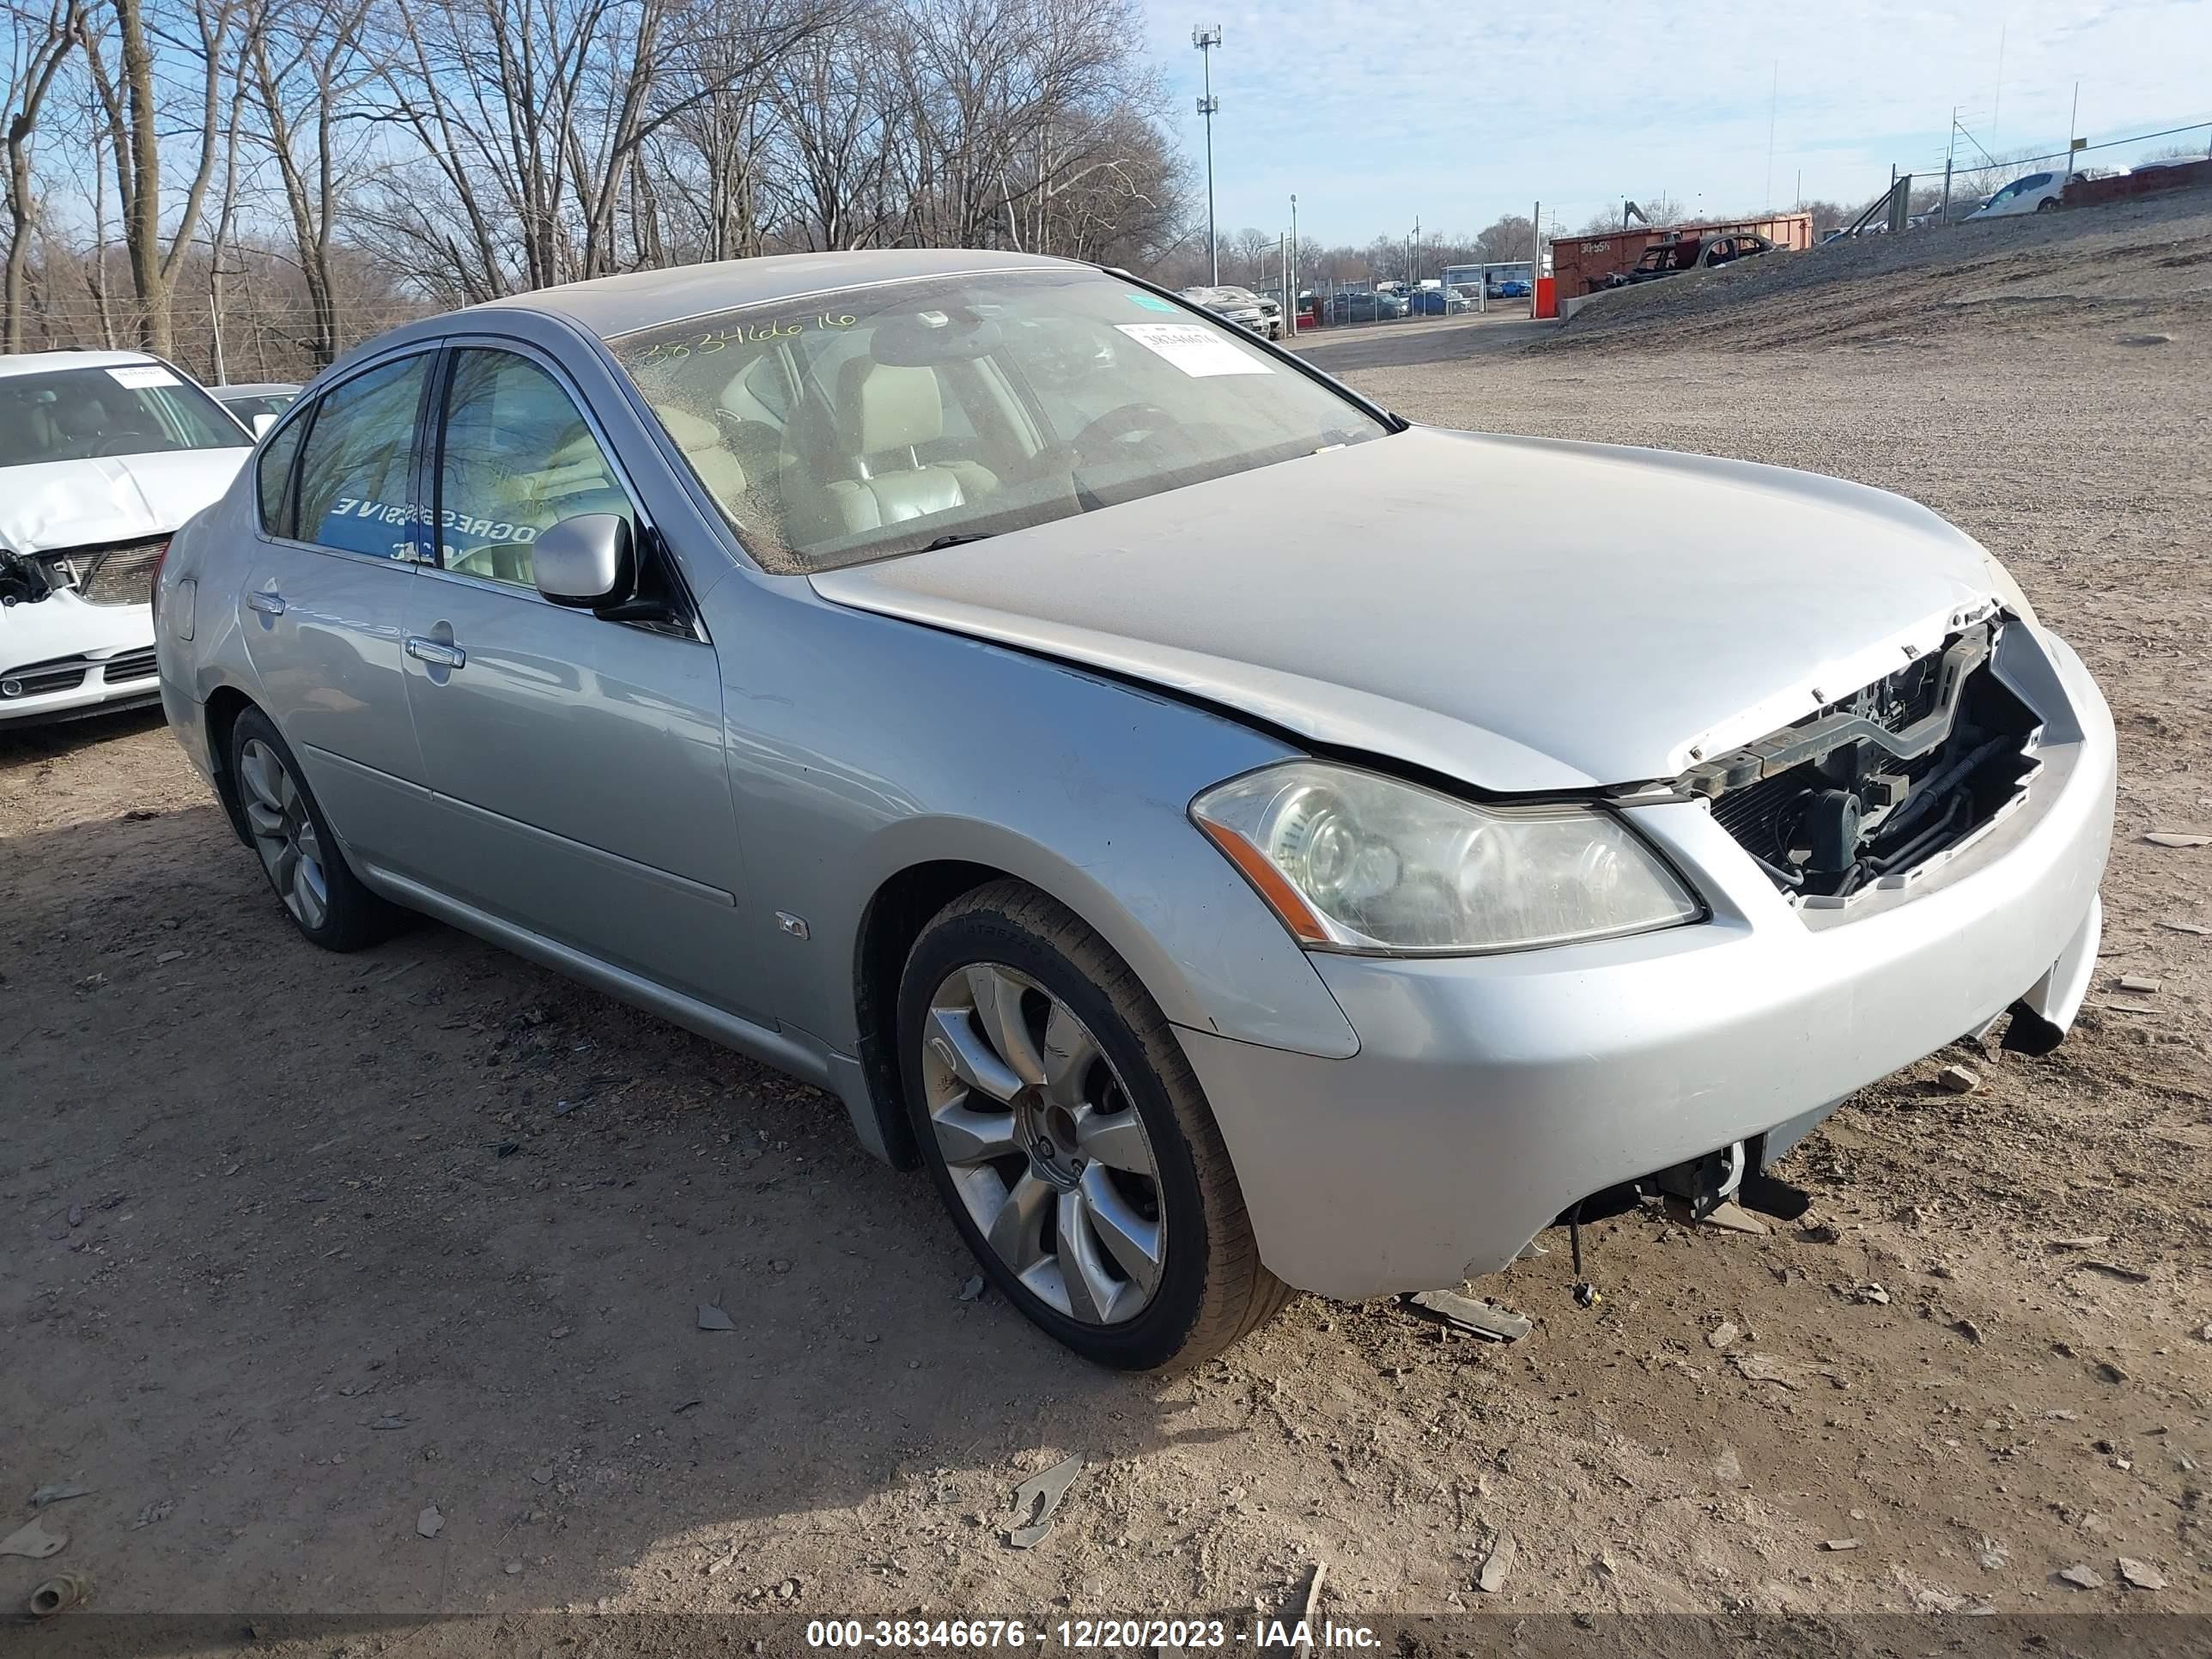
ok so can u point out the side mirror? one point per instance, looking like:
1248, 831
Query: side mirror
586, 562
263, 421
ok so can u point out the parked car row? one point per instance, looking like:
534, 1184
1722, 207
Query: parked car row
1256, 312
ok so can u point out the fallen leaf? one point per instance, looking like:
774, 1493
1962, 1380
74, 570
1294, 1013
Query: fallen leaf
2177, 838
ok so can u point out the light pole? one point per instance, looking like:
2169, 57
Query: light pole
1206, 40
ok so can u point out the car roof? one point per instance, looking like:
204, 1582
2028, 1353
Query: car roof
45, 362
252, 389
613, 306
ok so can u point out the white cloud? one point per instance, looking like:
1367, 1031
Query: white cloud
1376, 113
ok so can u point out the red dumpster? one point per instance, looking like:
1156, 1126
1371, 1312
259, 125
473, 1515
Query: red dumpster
1547, 296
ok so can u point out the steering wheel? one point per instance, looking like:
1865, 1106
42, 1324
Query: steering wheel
1129, 427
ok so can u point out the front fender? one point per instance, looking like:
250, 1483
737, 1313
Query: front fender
861, 745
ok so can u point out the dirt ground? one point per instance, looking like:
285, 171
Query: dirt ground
298, 1246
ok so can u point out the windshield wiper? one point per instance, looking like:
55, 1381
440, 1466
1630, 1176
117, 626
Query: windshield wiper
960, 540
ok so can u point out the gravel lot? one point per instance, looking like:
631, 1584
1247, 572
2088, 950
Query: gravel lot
300, 1245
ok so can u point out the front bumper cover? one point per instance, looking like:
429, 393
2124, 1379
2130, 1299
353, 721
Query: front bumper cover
1491, 1093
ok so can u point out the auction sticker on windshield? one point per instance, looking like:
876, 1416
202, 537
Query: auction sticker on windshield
138, 376
1196, 352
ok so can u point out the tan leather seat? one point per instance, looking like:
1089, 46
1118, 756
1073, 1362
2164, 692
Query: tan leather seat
888, 413
701, 440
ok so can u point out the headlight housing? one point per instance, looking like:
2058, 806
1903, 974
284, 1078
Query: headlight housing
1357, 861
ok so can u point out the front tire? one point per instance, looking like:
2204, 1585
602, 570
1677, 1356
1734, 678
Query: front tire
1069, 1138
299, 852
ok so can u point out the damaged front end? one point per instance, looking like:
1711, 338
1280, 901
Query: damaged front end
1869, 791
122, 573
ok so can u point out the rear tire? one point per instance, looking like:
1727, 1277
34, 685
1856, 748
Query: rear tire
1069, 1138
300, 852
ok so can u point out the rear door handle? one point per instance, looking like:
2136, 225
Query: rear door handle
437, 651
268, 604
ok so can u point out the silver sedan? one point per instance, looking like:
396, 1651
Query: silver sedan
1233, 839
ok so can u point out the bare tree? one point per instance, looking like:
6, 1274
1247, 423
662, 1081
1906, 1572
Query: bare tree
131, 111
304, 65
41, 42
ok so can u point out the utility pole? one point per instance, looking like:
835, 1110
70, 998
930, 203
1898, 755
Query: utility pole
1206, 40
2072, 129
1950, 150
1774, 99
1293, 261
1535, 253
1996, 103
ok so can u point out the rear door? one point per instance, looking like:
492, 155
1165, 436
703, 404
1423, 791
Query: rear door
339, 541
577, 761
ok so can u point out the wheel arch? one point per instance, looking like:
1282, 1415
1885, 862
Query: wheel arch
223, 706
890, 921
901, 904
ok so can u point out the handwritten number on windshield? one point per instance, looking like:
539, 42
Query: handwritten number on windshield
722, 339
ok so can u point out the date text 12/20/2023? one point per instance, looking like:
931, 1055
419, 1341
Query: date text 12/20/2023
1106, 1635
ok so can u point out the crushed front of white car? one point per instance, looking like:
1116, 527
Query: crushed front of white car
102, 457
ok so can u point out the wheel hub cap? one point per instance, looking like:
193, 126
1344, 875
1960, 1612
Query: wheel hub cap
1045, 1149
283, 833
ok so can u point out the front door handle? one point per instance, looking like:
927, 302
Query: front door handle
268, 604
436, 652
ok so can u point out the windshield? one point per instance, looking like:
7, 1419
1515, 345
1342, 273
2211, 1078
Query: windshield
865, 422
130, 409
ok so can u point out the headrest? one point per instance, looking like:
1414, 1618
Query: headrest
890, 408
692, 433
701, 440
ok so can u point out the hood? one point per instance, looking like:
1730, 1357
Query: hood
110, 498
1524, 615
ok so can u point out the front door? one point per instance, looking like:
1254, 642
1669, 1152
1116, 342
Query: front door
577, 761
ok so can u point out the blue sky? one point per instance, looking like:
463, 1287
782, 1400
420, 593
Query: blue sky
1377, 114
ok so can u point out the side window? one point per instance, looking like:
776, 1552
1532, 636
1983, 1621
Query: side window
514, 458
353, 489
272, 478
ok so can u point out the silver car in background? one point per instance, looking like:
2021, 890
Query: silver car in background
1235, 840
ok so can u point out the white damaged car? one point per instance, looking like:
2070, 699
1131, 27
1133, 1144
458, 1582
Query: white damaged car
103, 455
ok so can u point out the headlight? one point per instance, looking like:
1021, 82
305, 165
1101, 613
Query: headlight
1353, 861
2006, 589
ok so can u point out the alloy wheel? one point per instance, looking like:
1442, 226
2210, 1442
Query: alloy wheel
1044, 1145
284, 833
